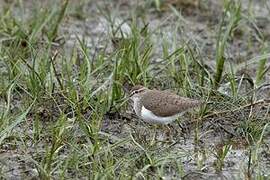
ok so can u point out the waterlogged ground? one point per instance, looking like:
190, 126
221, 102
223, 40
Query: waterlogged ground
230, 140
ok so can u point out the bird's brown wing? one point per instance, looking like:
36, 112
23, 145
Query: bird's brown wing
166, 104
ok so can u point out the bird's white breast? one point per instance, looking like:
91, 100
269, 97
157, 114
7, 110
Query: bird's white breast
150, 117
136, 105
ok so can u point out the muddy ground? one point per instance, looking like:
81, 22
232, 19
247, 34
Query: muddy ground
199, 23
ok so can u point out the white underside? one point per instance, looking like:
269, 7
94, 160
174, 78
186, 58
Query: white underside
150, 117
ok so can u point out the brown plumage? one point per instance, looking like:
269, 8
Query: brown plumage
164, 103
161, 103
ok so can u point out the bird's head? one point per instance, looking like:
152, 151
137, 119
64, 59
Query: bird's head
137, 91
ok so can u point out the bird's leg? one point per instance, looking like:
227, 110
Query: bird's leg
168, 133
183, 130
155, 134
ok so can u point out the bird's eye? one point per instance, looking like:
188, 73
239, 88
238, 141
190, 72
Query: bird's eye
134, 92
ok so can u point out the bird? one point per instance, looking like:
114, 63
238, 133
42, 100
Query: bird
160, 107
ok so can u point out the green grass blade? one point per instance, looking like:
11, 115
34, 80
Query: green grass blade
5, 131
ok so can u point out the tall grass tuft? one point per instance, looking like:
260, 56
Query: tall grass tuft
230, 19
